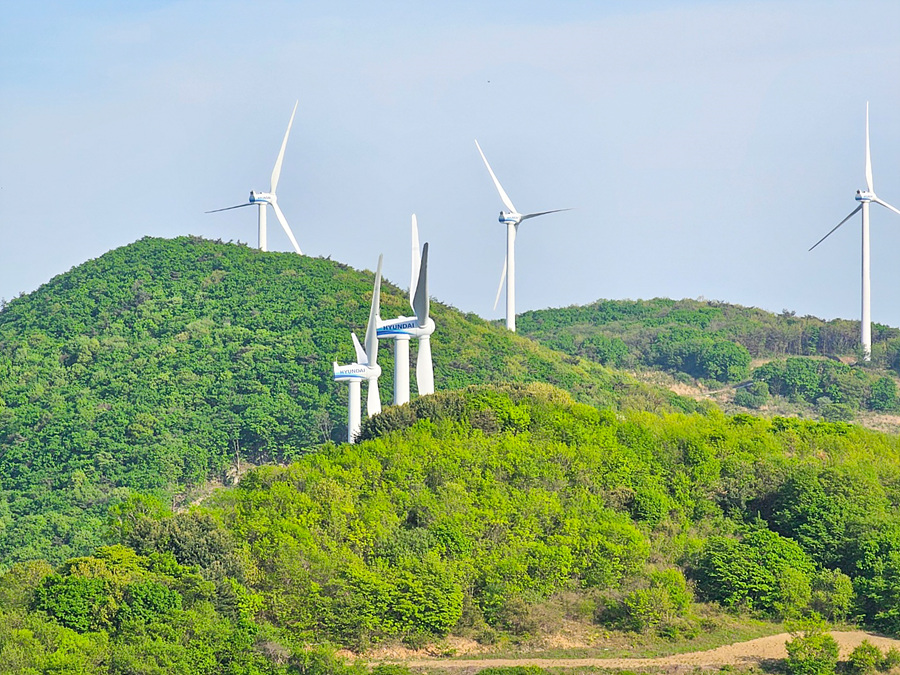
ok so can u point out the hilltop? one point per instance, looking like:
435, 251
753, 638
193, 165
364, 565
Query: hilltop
785, 364
164, 363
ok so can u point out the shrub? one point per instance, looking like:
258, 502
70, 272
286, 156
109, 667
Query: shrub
661, 607
890, 660
755, 395
883, 394
834, 412
812, 651
320, 661
864, 659
832, 594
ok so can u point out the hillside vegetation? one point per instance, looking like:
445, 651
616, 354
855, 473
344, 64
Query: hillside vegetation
492, 512
162, 363
716, 343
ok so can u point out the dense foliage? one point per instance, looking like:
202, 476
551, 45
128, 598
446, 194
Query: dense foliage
836, 388
118, 612
637, 327
466, 510
715, 342
487, 511
473, 512
162, 363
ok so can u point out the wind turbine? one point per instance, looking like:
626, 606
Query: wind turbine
365, 368
420, 326
511, 219
864, 197
262, 199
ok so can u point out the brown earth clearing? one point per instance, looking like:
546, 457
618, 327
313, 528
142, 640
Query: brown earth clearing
740, 655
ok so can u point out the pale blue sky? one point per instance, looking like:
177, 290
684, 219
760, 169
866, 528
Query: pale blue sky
704, 145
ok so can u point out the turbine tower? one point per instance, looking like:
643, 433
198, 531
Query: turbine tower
864, 197
365, 368
511, 219
263, 199
420, 326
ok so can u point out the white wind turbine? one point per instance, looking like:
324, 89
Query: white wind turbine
420, 326
262, 199
864, 197
365, 368
511, 219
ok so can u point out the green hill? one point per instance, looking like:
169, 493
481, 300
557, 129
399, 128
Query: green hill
494, 513
814, 365
160, 364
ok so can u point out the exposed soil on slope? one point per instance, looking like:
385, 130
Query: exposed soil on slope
740, 654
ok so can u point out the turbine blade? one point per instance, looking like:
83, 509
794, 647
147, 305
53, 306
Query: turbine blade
374, 311
503, 196
500, 287
416, 260
421, 302
286, 227
852, 213
276, 172
424, 368
541, 213
360, 353
886, 205
373, 401
868, 154
228, 208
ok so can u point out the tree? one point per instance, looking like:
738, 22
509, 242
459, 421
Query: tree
763, 571
724, 361
883, 394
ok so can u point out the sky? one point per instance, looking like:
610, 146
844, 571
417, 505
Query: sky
703, 146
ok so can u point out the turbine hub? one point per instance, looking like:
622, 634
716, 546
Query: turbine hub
865, 196
507, 218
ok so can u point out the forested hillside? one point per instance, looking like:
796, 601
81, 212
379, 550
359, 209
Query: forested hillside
491, 512
159, 364
716, 343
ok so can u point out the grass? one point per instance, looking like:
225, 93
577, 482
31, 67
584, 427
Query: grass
579, 638
719, 629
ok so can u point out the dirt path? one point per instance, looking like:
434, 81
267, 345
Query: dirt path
738, 654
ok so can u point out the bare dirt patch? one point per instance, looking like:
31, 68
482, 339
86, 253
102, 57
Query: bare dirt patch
740, 654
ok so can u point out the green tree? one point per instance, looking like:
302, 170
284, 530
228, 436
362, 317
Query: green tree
724, 361
763, 571
883, 394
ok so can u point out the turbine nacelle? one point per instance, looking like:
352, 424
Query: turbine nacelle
262, 197
506, 218
356, 372
405, 325
865, 196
